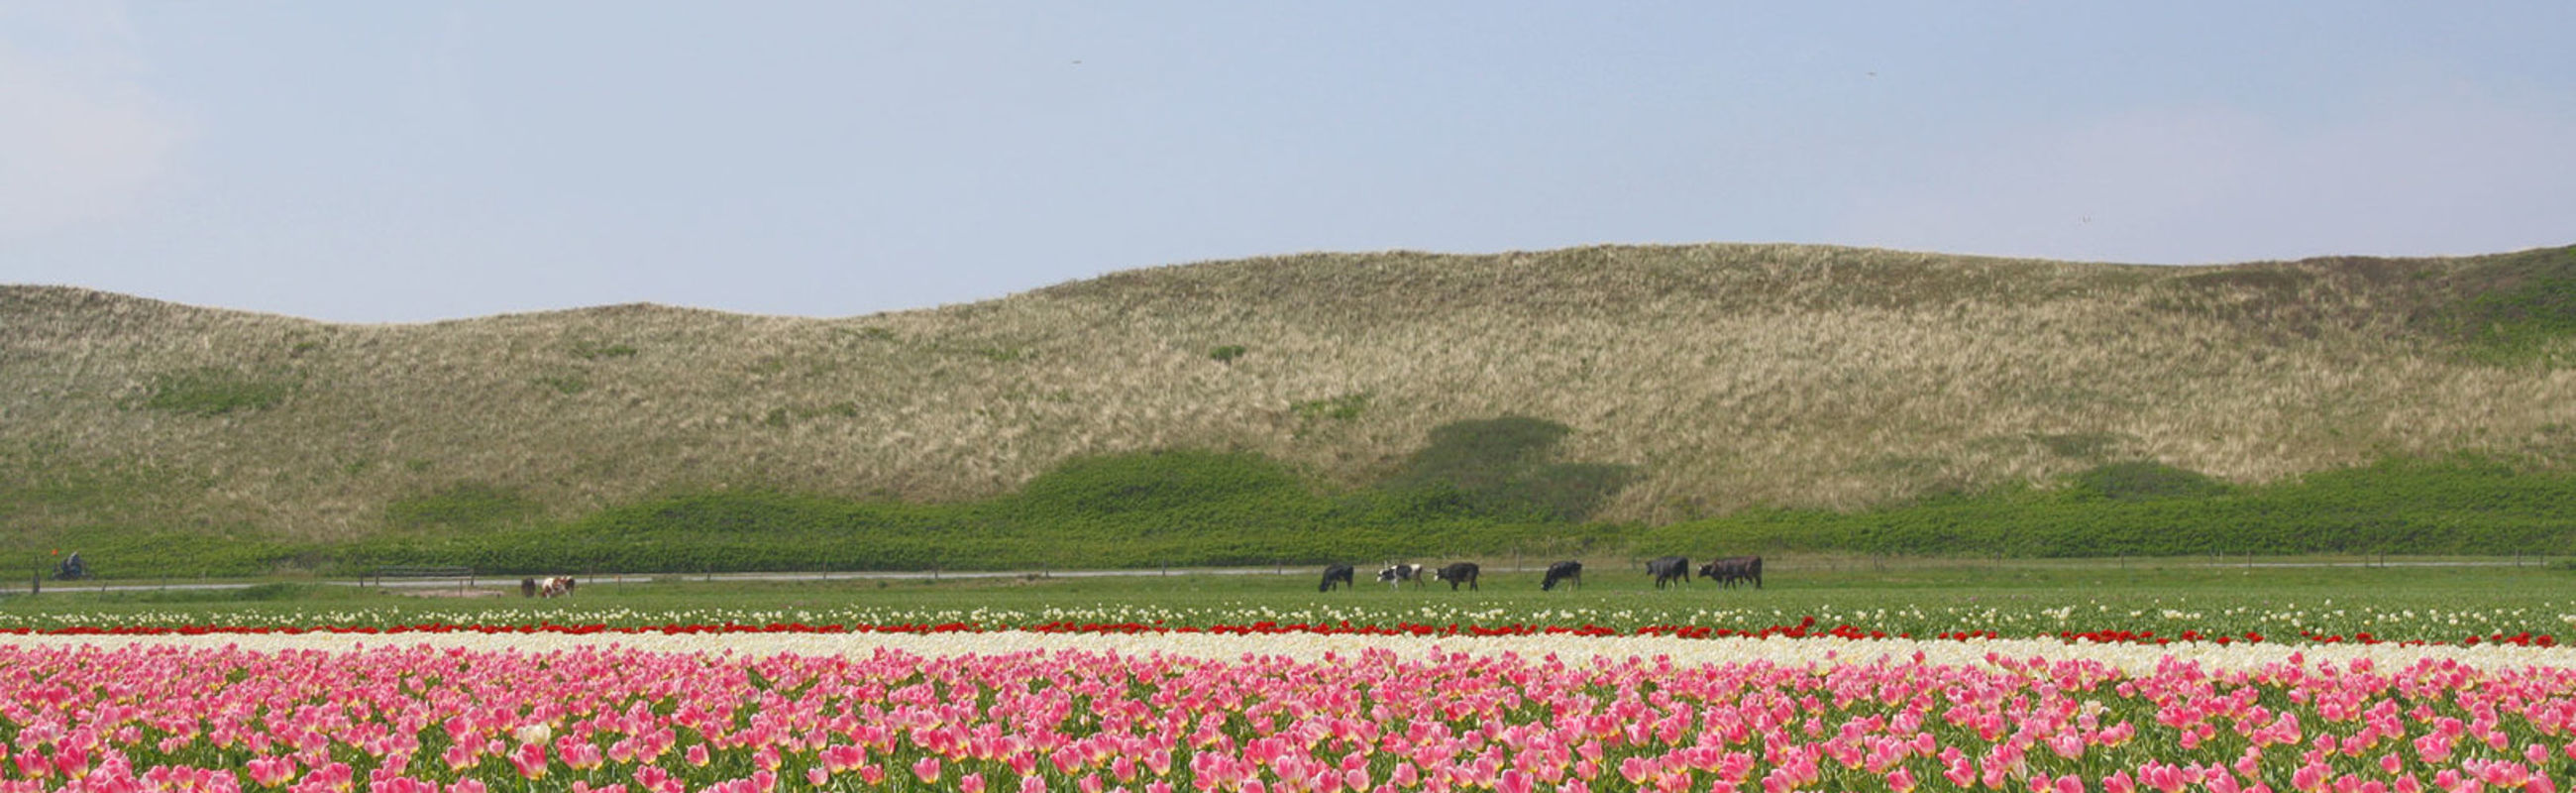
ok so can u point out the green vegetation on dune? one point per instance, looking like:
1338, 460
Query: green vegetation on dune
1177, 508
214, 392
2521, 308
2460, 506
1184, 509
468, 505
1502, 468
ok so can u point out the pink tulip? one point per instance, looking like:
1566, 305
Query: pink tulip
2119, 782
2309, 778
1636, 769
530, 760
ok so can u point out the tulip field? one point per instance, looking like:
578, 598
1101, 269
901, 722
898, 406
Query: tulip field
1258, 687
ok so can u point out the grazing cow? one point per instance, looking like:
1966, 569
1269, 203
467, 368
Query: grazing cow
556, 587
1339, 572
527, 587
1734, 568
1396, 574
1562, 572
1460, 573
1667, 569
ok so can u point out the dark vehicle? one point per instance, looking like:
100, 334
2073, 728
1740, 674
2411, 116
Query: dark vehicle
1339, 572
1562, 572
1732, 569
1667, 569
1460, 573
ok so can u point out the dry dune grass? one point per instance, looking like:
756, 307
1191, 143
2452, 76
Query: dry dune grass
1729, 375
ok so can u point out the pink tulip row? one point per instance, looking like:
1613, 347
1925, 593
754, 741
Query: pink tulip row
431, 720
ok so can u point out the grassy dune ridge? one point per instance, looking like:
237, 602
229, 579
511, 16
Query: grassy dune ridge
1724, 377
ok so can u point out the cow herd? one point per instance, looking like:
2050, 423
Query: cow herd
1666, 570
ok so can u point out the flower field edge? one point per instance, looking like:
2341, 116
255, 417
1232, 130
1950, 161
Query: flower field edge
124, 714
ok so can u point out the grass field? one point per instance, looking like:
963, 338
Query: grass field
2410, 600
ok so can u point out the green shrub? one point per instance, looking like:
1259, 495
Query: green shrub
214, 392
1341, 408
592, 350
1498, 468
1227, 353
465, 505
2140, 480
2081, 445
1178, 487
566, 384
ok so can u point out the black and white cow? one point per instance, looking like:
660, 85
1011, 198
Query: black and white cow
1562, 572
1396, 574
1335, 573
1667, 569
1460, 573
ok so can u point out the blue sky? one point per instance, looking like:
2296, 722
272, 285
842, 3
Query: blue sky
393, 162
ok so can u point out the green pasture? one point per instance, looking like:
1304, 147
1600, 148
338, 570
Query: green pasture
2409, 598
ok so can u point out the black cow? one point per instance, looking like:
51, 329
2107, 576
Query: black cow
1339, 572
1667, 569
1734, 568
1396, 574
1460, 573
1562, 571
